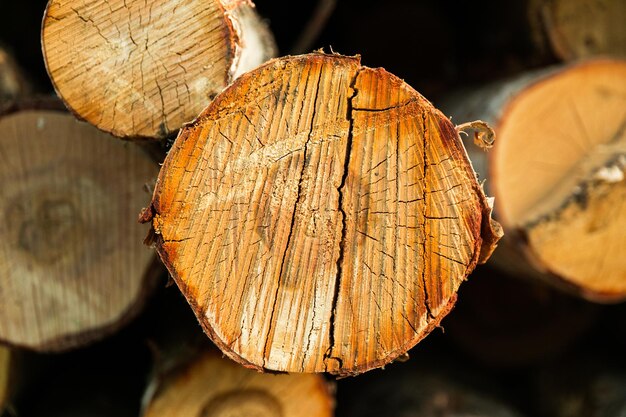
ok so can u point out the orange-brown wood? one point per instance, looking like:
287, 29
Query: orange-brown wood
141, 69
72, 265
319, 216
211, 386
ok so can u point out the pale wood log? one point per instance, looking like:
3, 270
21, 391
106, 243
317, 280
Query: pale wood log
319, 216
211, 386
72, 264
557, 173
141, 69
574, 29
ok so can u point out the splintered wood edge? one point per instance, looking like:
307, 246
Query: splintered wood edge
148, 282
249, 43
194, 372
486, 239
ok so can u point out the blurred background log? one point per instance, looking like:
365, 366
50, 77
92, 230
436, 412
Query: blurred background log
212, 386
12, 82
574, 29
557, 172
141, 69
71, 257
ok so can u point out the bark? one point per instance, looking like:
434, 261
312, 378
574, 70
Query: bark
557, 173
574, 29
328, 208
211, 386
71, 258
142, 69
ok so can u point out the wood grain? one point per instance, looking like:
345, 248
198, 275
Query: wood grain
141, 69
319, 216
71, 260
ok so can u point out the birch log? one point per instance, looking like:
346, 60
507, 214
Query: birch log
319, 216
72, 264
557, 173
141, 69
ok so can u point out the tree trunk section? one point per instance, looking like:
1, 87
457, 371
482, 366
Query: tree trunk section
574, 29
328, 208
72, 264
141, 69
211, 386
557, 172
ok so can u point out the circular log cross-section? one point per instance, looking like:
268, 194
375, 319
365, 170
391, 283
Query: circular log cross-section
211, 386
141, 69
71, 259
558, 173
319, 216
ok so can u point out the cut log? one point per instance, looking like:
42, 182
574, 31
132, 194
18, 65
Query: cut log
211, 386
141, 69
72, 264
574, 29
487, 323
557, 172
319, 216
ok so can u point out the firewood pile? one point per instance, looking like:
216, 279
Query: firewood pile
234, 208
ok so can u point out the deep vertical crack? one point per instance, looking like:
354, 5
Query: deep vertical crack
293, 220
331, 331
425, 214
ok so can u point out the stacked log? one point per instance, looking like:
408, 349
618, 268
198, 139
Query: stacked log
557, 173
211, 386
141, 69
72, 264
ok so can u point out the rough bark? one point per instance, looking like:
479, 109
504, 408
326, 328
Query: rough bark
72, 264
574, 29
141, 69
211, 386
557, 173
319, 216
